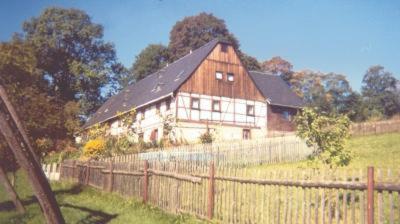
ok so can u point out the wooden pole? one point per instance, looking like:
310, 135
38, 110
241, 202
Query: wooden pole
15, 137
10, 190
146, 181
370, 195
111, 177
211, 191
87, 173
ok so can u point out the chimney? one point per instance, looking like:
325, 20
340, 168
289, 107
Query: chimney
190, 51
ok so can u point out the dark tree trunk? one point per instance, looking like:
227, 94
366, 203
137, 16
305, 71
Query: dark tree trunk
16, 138
10, 191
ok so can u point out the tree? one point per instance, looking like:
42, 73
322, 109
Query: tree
328, 134
278, 66
379, 90
41, 114
194, 31
150, 60
249, 62
76, 61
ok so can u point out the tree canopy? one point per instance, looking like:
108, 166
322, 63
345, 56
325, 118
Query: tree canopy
278, 66
150, 60
70, 50
194, 31
379, 89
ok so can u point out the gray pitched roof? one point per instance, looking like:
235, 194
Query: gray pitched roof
154, 87
275, 89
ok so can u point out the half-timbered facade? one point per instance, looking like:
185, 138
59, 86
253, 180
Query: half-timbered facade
207, 90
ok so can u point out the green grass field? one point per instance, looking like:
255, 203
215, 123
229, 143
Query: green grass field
84, 205
381, 151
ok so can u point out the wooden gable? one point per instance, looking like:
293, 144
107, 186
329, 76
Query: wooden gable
203, 80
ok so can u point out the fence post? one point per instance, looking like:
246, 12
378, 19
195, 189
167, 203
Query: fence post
211, 186
111, 177
370, 195
146, 181
87, 173
73, 170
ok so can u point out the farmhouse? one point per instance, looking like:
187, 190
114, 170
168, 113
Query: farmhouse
208, 89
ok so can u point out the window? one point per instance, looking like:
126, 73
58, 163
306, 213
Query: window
219, 75
230, 77
216, 105
158, 105
195, 104
224, 48
140, 137
154, 135
168, 105
250, 110
286, 115
246, 134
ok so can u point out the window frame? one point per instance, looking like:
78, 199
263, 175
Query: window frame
287, 115
224, 47
219, 105
248, 106
247, 135
222, 75
192, 99
230, 74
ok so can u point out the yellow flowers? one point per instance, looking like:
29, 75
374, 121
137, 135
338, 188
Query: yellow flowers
94, 148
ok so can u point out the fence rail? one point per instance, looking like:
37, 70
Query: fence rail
378, 127
232, 153
237, 195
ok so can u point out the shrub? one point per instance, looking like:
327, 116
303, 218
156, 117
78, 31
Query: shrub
206, 137
327, 133
94, 148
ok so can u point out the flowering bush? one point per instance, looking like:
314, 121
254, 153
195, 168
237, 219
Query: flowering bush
94, 148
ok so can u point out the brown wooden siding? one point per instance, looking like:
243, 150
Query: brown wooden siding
276, 120
203, 80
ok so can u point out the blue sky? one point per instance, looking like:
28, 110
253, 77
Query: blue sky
329, 36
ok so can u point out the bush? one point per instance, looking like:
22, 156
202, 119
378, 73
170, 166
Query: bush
94, 148
206, 137
327, 133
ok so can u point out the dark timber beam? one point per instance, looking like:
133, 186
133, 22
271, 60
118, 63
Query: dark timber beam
16, 138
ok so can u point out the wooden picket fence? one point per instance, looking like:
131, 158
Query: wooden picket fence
227, 194
233, 153
378, 127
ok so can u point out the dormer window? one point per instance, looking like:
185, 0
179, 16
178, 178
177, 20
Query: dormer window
230, 77
219, 75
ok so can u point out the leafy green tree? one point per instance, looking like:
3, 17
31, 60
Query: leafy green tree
328, 134
249, 62
150, 60
278, 66
194, 31
70, 50
379, 90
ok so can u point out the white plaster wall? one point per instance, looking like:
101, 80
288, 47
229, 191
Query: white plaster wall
232, 110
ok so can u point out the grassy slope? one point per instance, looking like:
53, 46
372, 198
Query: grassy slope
381, 151
85, 205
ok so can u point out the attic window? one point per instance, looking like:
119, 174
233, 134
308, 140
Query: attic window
231, 77
224, 48
106, 110
218, 75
